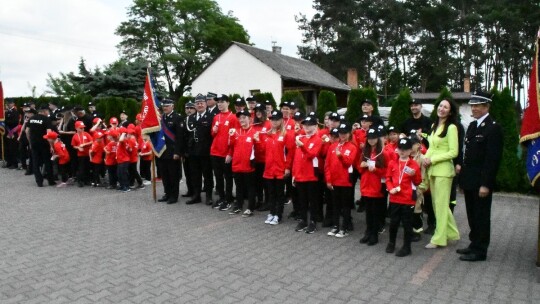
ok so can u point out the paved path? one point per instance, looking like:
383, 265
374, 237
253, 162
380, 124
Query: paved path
98, 246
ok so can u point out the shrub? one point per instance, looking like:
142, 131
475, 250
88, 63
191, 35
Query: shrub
297, 97
326, 102
400, 109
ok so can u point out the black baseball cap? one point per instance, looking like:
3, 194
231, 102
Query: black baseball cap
334, 116
299, 116
244, 112
373, 133
404, 144
276, 115
344, 128
310, 121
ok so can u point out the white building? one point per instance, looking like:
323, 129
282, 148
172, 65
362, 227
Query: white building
247, 70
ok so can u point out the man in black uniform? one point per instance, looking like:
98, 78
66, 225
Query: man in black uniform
189, 110
199, 140
211, 104
92, 110
170, 161
37, 127
81, 115
53, 107
10, 136
483, 151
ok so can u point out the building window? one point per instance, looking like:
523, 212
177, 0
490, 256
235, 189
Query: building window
254, 92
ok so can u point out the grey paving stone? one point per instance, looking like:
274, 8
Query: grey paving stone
96, 246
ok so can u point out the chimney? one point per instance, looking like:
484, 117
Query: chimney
276, 49
352, 78
467, 83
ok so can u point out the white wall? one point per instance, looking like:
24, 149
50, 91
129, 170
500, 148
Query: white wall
236, 71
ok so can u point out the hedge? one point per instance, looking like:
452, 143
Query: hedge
326, 102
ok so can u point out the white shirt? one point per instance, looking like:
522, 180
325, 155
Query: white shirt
481, 119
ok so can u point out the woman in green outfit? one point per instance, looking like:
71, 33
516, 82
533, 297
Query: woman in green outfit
443, 148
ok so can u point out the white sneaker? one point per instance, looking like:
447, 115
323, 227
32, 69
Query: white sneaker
247, 213
274, 220
342, 234
269, 218
147, 182
333, 232
62, 185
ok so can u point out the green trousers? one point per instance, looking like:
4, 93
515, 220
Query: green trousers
446, 228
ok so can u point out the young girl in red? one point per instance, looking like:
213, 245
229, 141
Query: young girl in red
96, 158
402, 177
146, 158
337, 170
61, 154
372, 167
110, 158
82, 141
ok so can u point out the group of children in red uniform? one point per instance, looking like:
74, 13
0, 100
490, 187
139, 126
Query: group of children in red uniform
115, 149
294, 150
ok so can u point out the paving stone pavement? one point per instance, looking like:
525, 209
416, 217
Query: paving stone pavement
93, 245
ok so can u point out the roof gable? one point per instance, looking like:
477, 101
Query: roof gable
291, 68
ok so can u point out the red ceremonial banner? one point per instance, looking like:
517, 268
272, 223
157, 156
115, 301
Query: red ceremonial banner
150, 117
530, 125
2, 113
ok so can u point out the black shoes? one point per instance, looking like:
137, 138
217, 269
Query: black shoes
473, 257
374, 239
301, 226
311, 228
464, 251
172, 201
404, 251
163, 199
365, 239
194, 200
187, 195
390, 247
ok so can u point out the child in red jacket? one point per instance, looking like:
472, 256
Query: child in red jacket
304, 172
146, 158
61, 154
373, 169
96, 158
402, 177
337, 170
81, 142
241, 156
110, 158
278, 145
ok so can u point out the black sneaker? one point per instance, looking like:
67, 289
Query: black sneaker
312, 227
404, 251
235, 211
141, 186
224, 206
390, 247
301, 226
217, 203
364, 239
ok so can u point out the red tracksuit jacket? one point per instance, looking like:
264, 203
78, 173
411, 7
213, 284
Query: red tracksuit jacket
304, 159
370, 183
79, 139
337, 168
61, 151
393, 174
220, 144
260, 154
241, 149
279, 149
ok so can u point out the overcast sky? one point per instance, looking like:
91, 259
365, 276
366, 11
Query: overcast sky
40, 37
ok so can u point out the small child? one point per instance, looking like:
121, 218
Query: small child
61, 154
402, 177
373, 170
122, 159
96, 158
110, 158
82, 141
133, 158
146, 158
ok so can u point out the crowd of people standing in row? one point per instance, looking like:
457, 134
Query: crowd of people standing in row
272, 157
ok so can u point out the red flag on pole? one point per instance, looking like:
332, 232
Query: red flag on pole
150, 121
2, 114
530, 125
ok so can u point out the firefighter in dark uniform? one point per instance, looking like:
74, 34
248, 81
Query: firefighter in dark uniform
92, 110
37, 127
53, 108
211, 104
199, 141
483, 152
10, 135
170, 161
189, 109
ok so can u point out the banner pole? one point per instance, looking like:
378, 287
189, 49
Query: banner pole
154, 177
3, 148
